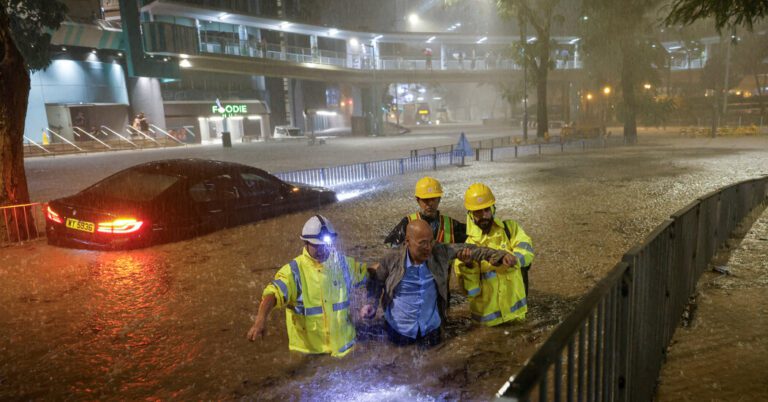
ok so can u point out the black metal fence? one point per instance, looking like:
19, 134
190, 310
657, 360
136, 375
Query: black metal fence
613, 345
358, 172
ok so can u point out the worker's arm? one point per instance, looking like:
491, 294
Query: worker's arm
278, 293
259, 328
377, 277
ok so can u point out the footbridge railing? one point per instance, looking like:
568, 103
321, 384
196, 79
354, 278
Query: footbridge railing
614, 343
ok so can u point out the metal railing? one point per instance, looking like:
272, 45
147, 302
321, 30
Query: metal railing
22, 223
348, 174
613, 344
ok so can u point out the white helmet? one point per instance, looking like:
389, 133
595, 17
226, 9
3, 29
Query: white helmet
318, 230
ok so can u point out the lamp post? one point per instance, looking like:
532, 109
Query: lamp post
607, 93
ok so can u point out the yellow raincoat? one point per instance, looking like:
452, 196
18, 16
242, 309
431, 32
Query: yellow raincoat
496, 294
317, 301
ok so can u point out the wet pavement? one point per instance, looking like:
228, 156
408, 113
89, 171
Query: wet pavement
170, 321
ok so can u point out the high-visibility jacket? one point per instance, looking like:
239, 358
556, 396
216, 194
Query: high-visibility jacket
496, 294
316, 297
445, 231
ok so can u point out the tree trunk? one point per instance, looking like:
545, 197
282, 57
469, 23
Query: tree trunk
760, 101
628, 93
542, 71
14, 85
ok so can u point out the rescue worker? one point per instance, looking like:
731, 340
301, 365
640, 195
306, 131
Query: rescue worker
317, 290
445, 229
413, 283
496, 295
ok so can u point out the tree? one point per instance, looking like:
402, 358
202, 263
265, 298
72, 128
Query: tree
750, 53
539, 14
619, 36
725, 12
24, 47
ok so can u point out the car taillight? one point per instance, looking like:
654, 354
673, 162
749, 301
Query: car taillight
52, 216
120, 226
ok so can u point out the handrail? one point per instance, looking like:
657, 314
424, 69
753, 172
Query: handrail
36, 144
111, 131
62, 138
142, 133
92, 136
189, 131
166, 133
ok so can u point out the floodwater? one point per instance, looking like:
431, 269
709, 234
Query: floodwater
170, 321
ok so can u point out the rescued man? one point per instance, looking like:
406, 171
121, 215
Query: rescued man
445, 229
496, 294
412, 283
316, 289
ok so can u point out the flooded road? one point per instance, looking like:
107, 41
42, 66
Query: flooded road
170, 321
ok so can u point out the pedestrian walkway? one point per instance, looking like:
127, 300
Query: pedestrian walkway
722, 354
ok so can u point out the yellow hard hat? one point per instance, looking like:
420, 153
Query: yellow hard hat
478, 196
428, 187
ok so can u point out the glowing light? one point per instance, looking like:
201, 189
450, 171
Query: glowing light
185, 63
414, 18
607, 90
589, 96
254, 117
326, 113
285, 24
483, 39
333, 31
377, 37
431, 38
52, 216
120, 226
184, 56
647, 86
353, 42
327, 239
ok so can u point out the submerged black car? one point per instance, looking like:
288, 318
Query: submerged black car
170, 200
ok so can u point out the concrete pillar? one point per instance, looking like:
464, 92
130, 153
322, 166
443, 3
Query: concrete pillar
145, 96
313, 47
442, 56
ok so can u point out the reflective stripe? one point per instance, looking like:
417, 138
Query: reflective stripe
347, 346
308, 311
525, 246
447, 230
296, 279
489, 274
345, 272
520, 258
473, 292
488, 317
414, 216
340, 306
283, 288
521, 303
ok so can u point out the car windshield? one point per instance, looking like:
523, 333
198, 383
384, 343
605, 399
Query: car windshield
131, 185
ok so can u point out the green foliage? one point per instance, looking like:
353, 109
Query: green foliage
30, 23
651, 110
725, 12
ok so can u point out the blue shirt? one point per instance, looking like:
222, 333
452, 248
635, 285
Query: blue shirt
413, 310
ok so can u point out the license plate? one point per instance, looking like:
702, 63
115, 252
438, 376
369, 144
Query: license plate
80, 225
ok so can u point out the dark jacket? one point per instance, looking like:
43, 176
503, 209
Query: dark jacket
397, 235
392, 269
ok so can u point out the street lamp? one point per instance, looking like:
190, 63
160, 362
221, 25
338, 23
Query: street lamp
607, 90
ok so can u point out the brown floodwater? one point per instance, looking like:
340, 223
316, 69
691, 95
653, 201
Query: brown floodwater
170, 321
